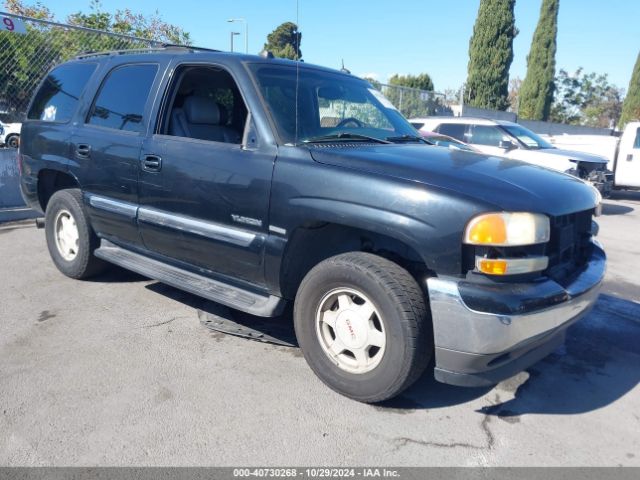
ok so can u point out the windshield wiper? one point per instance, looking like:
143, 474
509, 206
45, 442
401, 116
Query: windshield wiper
351, 137
408, 138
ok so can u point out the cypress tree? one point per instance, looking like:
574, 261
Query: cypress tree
490, 55
536, 93
631, 105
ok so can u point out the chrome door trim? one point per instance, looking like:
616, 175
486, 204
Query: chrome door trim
119, 207
198, 227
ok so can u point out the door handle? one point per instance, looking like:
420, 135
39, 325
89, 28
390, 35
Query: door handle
151, 163
83, 150
629, 157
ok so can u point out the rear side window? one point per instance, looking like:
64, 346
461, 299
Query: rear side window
455, 130
636, 144
122, 97
58, 97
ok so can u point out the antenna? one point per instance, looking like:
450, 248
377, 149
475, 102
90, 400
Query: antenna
295, 141
344, 70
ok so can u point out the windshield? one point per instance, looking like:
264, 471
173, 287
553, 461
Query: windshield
330, 105
530, 139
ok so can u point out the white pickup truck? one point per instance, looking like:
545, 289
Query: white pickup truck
623, 153
509, 139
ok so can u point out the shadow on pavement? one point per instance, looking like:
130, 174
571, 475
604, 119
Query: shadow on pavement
277, 330
615, 209
599, 363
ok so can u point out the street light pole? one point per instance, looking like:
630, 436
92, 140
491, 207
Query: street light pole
231, 35
246, 31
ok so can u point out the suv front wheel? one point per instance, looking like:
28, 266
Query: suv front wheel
363, 326
70, 238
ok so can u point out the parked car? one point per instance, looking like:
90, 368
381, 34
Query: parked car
623, 152
445, 141
10, 134
509, 139
189, 166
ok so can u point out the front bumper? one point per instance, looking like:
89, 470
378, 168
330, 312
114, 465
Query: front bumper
485, 333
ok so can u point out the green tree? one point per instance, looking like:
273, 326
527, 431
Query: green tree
421, 82
412, 94
586, 99
374, 83
631, 106
490, 55
284, 41
25, 58
37, 10
536, 93
126, 22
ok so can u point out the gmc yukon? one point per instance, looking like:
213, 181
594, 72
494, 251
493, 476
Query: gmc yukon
253, 182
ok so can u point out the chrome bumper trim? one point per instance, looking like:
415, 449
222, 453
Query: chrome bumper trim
458, 327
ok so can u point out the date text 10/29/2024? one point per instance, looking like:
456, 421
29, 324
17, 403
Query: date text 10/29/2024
316, 472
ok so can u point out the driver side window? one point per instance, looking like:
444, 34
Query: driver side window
341, 111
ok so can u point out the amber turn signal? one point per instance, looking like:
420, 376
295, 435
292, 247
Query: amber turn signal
511, 266
508, 229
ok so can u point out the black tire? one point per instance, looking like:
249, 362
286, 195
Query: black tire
12, 141
85, 264
400, 301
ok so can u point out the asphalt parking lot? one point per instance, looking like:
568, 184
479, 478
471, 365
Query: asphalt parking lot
120, 371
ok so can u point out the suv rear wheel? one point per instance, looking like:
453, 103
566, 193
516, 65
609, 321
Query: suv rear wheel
363, 326
70, 239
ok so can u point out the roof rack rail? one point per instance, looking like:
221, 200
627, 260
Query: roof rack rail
188, 47
160, 47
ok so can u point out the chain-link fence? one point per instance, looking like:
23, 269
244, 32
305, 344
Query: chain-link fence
29, 48
413, 102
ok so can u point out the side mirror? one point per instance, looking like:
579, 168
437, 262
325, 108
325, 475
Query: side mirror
507, 145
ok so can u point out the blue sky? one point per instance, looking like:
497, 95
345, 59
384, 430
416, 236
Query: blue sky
398, 36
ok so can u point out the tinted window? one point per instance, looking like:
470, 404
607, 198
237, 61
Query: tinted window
636, 144
455, 130
486, 135
57, 99
122, 97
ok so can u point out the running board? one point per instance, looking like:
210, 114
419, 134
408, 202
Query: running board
215, 290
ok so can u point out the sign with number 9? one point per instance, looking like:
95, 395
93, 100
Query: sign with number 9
14, 25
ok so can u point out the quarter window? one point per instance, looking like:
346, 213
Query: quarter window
121, 100
58, 97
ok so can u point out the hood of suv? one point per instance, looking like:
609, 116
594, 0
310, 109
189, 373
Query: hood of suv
509, 185
575, 155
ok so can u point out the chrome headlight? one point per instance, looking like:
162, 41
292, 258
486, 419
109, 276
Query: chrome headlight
506, 229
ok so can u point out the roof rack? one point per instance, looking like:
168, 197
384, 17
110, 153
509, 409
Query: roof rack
188, 47
161, 47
